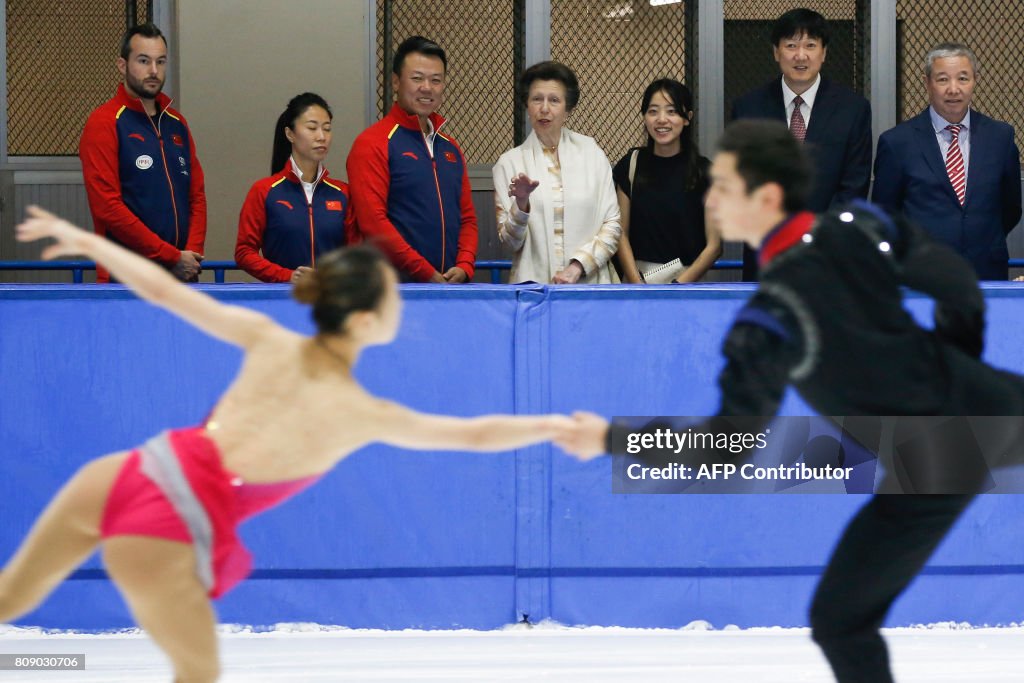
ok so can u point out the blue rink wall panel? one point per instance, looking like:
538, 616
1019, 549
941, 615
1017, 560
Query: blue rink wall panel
394, 539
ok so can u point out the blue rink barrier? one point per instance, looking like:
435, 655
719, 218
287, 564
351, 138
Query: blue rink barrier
399, 539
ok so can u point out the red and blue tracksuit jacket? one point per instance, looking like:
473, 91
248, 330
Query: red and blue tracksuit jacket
277, 220
414, 206
143, 179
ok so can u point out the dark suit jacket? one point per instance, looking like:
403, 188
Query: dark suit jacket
910, 177
838, 140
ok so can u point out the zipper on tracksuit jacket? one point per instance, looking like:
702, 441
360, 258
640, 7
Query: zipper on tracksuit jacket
167, 171
440, 203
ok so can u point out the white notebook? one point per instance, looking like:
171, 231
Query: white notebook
663, 274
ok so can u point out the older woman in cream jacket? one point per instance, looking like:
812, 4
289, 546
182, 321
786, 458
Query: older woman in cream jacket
554, 195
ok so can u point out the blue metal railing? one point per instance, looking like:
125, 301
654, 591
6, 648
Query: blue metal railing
78, 268
495, 267
219, 268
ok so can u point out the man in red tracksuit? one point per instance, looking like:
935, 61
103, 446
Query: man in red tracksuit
409, 182
142, 176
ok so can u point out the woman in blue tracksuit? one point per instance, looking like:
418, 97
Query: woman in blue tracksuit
291, 217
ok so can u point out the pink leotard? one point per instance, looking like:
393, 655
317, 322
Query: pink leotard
176, 487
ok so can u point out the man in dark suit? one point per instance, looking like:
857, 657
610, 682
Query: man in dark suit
953, 170
832, 121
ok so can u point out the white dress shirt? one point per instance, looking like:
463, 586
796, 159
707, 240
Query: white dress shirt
788, 96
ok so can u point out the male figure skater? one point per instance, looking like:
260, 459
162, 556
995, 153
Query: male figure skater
828, 319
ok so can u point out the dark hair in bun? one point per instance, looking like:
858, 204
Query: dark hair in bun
297, 106
345, 280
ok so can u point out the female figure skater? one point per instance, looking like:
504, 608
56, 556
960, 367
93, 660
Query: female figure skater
166, 513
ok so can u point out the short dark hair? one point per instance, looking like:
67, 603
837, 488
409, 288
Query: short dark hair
146, 30
550, 71
798, 22
344, 281
297, 106
421, 45
766, 152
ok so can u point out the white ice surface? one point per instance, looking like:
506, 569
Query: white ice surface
543, 653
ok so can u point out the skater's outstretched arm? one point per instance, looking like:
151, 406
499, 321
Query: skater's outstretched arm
397, 425
233, 324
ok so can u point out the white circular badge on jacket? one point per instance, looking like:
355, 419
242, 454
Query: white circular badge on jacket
143, 162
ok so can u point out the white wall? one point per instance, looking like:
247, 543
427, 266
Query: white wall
239, 62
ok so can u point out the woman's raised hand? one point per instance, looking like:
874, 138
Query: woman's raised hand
520, 189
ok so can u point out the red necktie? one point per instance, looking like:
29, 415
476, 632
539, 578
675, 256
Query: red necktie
796, 123
955, 164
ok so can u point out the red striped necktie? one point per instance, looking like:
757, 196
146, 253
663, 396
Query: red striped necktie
955, 164
796, 123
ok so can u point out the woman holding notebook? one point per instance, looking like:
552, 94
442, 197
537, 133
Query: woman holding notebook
660, 190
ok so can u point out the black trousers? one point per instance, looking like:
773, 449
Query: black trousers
882, 550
